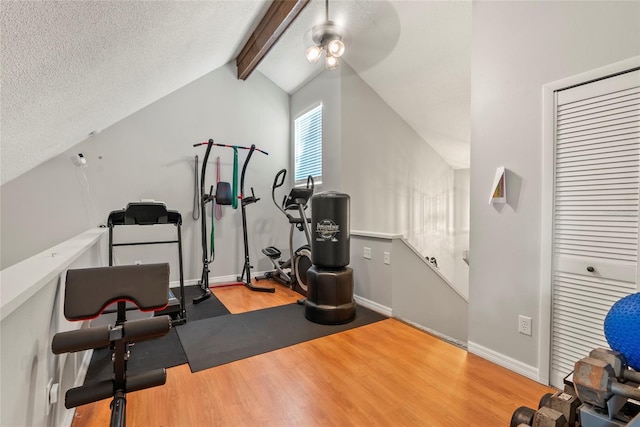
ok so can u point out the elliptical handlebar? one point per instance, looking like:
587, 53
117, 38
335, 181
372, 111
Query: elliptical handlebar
278, 182
297, 197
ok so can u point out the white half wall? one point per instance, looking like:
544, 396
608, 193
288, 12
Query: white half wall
421, 296
32, 313
407, 287
373, 279
517, 48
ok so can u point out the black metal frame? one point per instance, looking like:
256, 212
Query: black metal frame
86, 296
205, 198
246, 270
120, 217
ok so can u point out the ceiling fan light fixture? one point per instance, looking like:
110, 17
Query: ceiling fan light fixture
327, 37
331, 62
313, 53
335, 48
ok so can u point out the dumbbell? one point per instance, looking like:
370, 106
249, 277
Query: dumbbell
523, 416
618, 362
595, 382
565, 403
543, 417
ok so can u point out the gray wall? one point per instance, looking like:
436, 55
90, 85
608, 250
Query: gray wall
430, 302
150, 155
399, 185
397, 182
372, 277
407, 288
517, 48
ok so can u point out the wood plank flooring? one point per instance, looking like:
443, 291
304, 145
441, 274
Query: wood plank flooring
382, 374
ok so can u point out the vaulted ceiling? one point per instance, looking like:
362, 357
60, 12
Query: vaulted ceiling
73, 67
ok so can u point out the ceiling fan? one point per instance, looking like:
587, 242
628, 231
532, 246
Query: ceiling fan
328, 39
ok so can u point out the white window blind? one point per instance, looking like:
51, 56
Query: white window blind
308, 146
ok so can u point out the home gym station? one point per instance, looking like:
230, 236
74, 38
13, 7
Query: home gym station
330, 296
317, 270
324, 278
603, 390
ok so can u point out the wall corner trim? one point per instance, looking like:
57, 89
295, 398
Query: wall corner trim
376, 235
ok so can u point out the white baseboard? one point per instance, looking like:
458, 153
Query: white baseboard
371, 305
514, 365
386, 311
215, 281
437, 334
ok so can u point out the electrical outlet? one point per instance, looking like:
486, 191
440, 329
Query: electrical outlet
387, 258
52, 394
366, 253
524, 325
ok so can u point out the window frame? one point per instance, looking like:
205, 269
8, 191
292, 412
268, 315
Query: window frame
317, 179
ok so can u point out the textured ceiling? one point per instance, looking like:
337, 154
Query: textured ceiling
73, 67
69, 68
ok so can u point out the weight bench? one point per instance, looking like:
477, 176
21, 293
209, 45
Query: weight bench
87, 293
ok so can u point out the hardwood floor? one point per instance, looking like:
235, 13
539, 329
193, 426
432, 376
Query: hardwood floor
383, 374
239, 299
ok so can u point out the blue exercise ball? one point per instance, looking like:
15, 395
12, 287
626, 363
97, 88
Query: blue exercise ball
622, 328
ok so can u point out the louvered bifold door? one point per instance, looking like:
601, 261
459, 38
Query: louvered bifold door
597, 181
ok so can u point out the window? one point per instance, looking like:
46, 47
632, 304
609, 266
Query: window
308, 146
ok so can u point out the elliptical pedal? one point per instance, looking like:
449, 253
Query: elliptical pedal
272, 252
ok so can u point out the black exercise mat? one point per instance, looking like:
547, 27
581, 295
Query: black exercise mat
216, 341
163, 352
211, 307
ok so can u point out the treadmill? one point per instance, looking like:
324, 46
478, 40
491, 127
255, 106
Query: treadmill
152, 213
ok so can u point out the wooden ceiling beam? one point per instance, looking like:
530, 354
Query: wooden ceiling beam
274, 23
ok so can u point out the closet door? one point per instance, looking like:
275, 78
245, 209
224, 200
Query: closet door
595, 226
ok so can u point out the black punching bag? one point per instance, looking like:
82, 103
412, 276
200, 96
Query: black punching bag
330, 280
330, 226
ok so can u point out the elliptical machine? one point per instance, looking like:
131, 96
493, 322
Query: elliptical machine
293, 272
